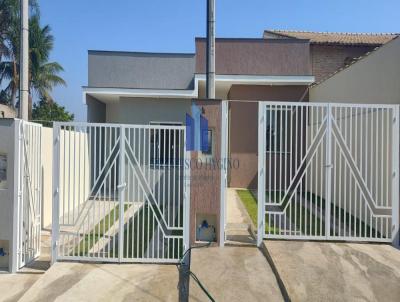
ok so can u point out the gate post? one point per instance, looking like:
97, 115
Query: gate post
395, 177
223, 164
261, 173
121, 193
186, 197
55, 225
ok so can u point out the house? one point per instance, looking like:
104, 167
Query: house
157, 88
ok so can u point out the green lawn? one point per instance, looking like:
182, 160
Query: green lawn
138, 233
250, 202
340, 214
97, 232
135, 245
317, 226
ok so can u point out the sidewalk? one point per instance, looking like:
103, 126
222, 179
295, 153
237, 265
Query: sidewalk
331, 271
229, 274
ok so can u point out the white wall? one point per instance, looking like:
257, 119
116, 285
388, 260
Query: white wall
47, 176
6, 194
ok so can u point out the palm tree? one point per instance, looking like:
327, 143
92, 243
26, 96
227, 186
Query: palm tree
43, 75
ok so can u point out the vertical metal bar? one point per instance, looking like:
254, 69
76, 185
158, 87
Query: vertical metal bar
270, 150
395, 177
302, 144
169, 177
56, 192
261, 173
223, 162
186, 200
179, 178
335, 180
328, 171
121, 193
308, 172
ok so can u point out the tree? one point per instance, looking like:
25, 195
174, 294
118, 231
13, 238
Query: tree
43, 75
45, 112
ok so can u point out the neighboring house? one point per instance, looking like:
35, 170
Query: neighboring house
373, 79
157, 88
331, 51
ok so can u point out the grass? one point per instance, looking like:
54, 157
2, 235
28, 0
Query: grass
138, 233
340, 214
97, 232
250, 203
317, 226
138, 229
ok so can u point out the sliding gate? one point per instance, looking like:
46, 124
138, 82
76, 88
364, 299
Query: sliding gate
328, 171
121, 193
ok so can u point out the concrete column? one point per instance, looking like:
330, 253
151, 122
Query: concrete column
210, 83
24, 61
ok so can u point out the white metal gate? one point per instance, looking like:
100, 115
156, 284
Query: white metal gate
121, 193
328, 171
27, 207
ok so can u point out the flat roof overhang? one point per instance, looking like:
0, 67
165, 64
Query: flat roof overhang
223, 82
112, 95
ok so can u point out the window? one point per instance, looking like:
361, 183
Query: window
165, 144
278, 125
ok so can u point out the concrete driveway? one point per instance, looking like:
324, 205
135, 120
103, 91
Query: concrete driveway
321, 271
14, 286
229, 274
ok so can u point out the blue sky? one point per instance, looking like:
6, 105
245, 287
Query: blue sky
171, 25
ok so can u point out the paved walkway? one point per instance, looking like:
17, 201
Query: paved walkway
327, 271
237, 220
229, 274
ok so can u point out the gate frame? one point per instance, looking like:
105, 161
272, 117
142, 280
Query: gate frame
262, 160
18, 192
56, 190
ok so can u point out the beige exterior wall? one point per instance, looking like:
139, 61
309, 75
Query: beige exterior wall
75, 170
47, 176
375, 79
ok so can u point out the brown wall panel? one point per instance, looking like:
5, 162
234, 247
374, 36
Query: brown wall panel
257, 57
243, 139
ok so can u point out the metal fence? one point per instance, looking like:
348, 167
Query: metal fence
121, 193
328, 171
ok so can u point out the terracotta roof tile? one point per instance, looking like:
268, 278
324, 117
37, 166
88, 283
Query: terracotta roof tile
336, 38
